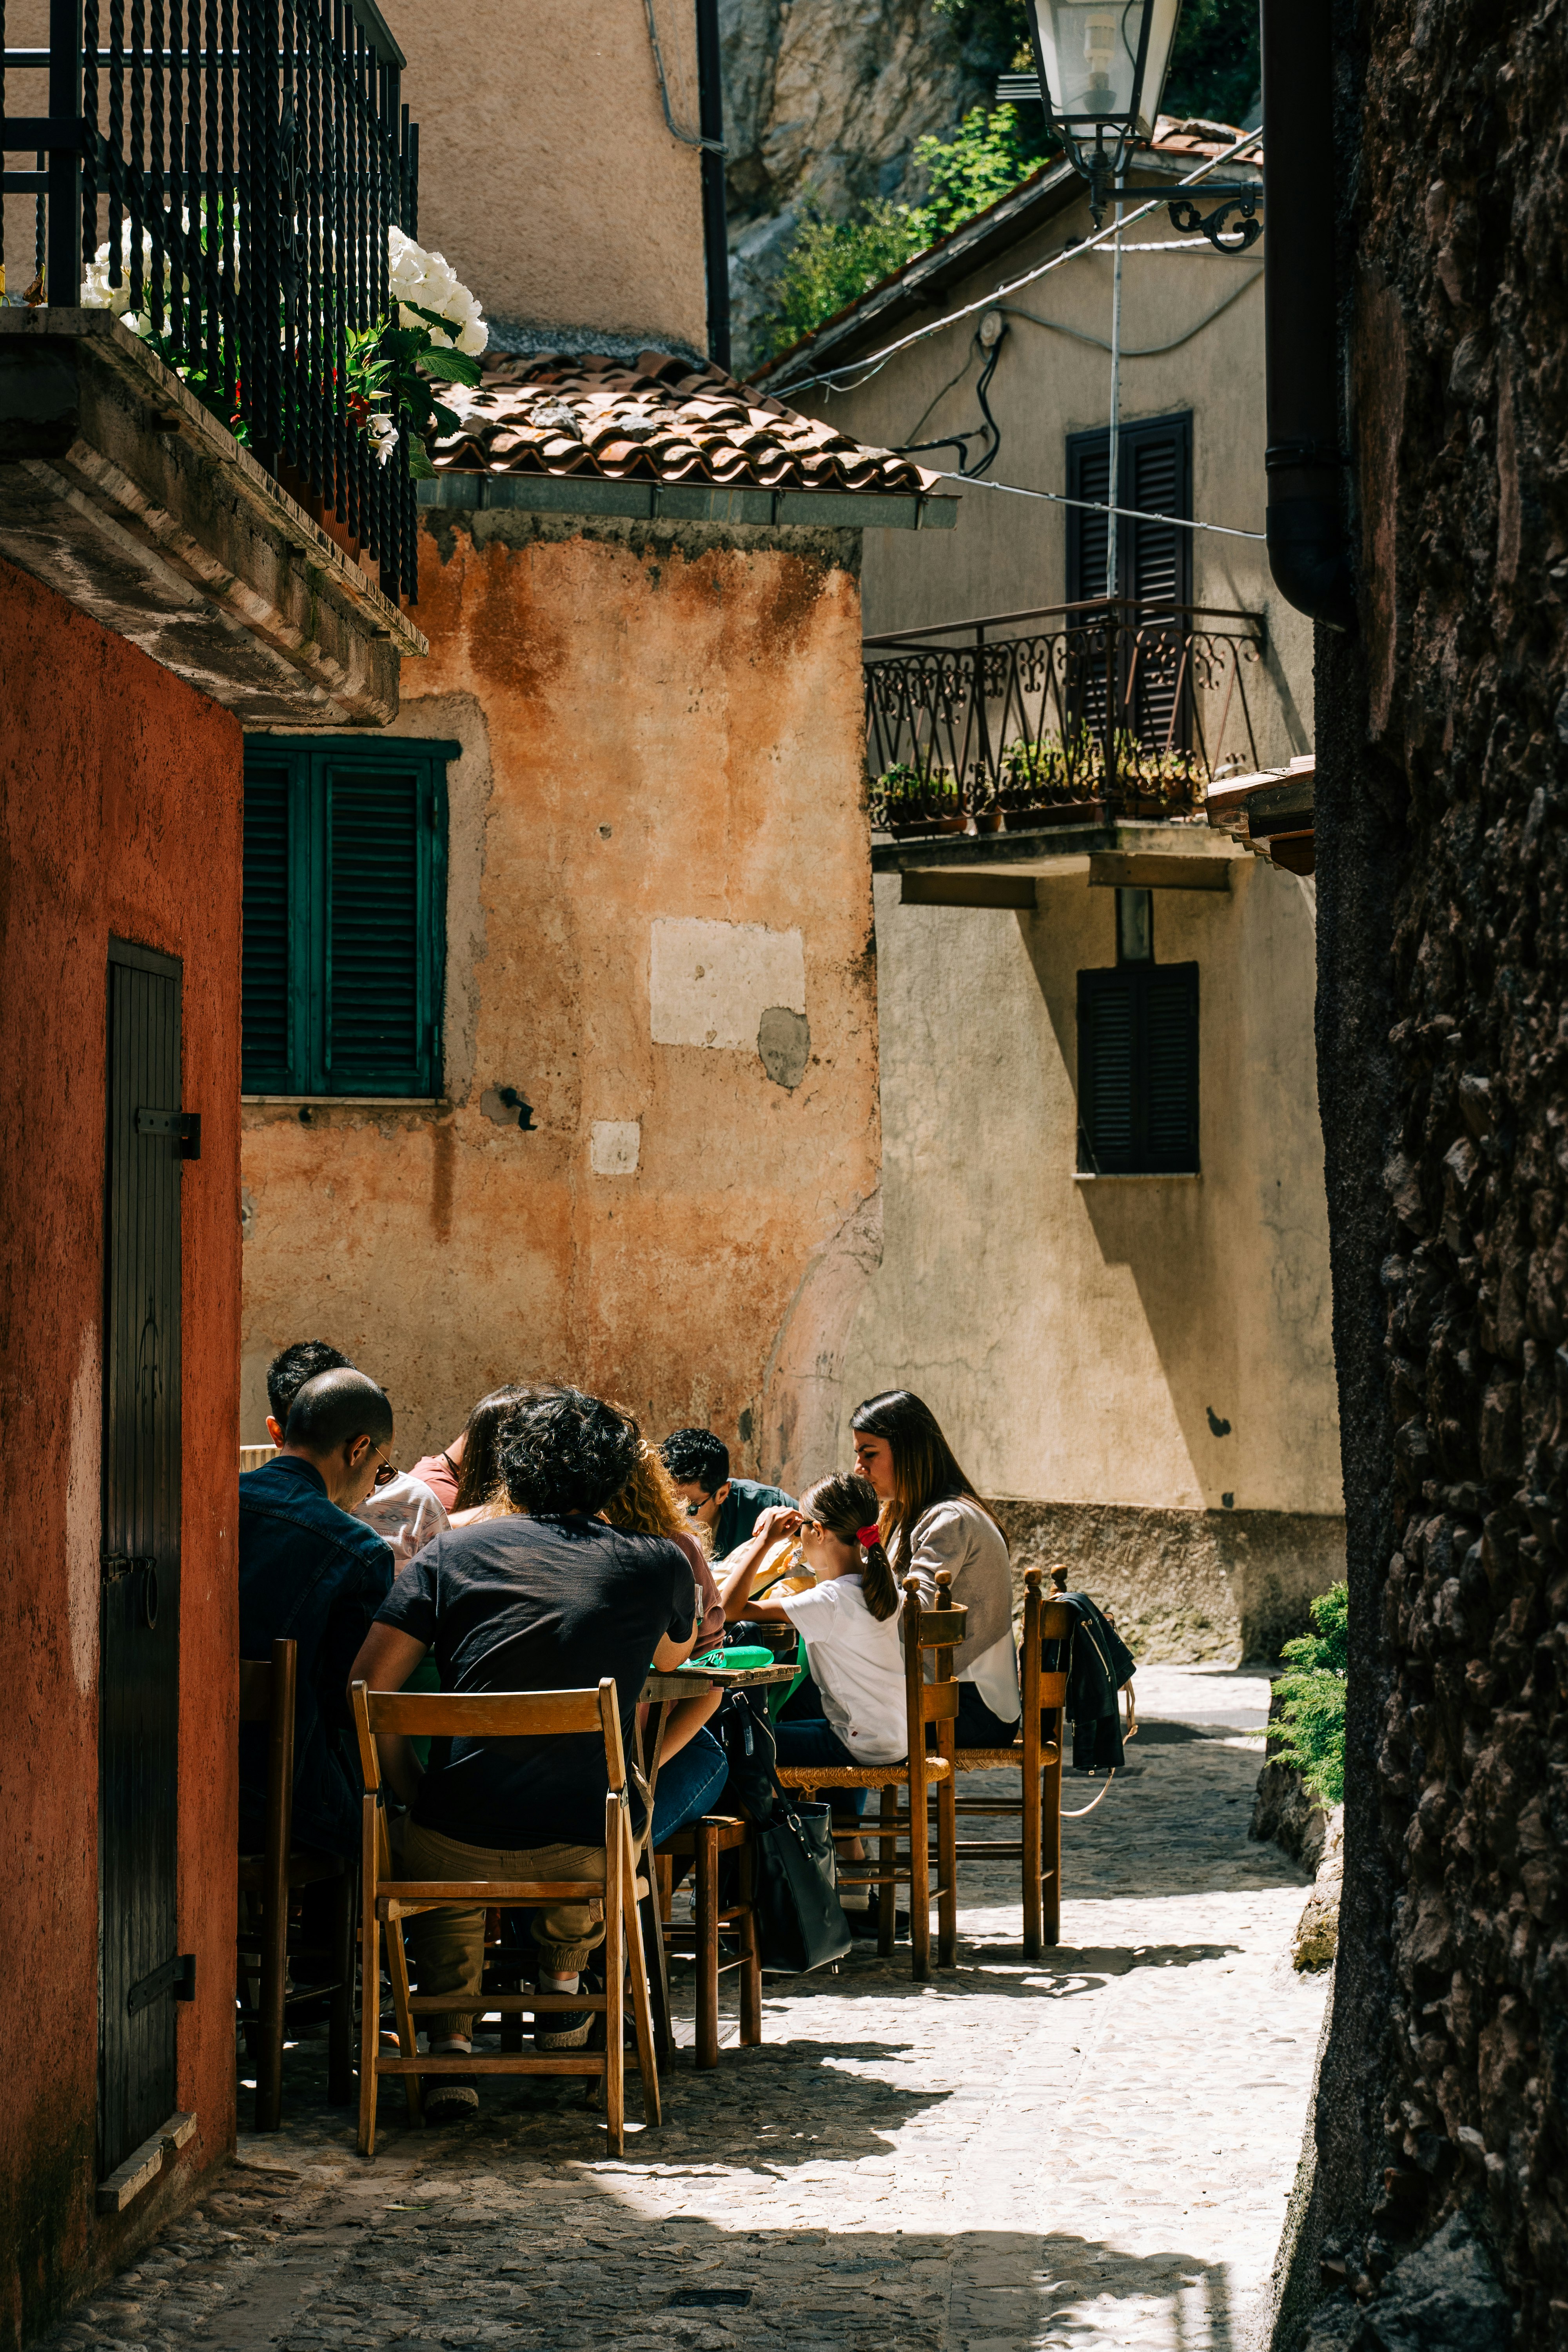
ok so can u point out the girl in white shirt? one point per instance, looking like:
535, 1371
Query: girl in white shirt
848, 1622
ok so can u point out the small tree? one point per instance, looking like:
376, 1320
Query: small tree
1311, 1737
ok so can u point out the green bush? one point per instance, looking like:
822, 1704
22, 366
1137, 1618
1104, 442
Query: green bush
833, 263
1312, 1736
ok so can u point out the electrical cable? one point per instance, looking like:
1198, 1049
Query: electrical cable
863, 369
686, 138
1097, 506
987, 373
961, 440
1135, 351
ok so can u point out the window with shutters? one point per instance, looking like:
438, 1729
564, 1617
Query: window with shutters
1154, 559
344, 963
1138, 1070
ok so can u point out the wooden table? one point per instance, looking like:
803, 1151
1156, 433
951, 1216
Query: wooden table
662, 1692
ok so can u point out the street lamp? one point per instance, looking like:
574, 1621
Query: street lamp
1102, 67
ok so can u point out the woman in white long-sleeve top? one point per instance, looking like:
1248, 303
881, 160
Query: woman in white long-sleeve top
932, 1517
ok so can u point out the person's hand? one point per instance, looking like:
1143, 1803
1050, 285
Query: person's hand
778, 1519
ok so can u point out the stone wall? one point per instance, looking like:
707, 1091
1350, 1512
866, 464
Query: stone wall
1200, 1588
1442, 828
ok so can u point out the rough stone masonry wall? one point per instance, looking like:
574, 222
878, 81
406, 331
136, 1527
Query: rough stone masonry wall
1443, 825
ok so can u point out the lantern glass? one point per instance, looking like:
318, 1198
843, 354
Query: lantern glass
1089, 59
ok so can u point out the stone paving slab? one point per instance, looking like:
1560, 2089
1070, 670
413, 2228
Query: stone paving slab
1090, 2154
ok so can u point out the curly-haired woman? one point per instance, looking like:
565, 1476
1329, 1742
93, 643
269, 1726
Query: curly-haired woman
550, 1597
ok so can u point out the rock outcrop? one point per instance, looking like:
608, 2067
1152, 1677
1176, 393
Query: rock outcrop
824, 102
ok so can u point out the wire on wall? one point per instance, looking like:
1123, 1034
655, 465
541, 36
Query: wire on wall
686, 138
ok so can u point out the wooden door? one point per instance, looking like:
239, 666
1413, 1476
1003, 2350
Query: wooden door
139, 1973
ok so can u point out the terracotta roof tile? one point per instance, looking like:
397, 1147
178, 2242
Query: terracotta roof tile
653, 419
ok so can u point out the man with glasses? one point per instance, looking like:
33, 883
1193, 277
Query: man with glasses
401, 1508
309, 1572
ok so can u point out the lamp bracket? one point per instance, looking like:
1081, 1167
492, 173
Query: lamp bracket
1239, 196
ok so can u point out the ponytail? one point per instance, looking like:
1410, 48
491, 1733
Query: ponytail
846, 1507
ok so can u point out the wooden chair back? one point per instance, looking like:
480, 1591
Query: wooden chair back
387, 1901
1046, 1623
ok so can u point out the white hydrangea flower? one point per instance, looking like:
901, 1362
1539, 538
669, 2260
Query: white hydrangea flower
383, 432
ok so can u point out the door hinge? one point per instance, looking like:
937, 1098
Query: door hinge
178, 1976
184, 1124
113, 1565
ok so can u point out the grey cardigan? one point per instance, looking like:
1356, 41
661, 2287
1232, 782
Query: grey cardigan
957, 1535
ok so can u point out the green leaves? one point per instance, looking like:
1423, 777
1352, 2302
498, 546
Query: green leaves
1311, 1739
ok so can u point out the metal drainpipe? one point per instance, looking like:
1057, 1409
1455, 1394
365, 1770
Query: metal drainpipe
715, 226
1309, 554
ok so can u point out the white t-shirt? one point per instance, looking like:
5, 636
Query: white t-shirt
405, 1514
858, 1664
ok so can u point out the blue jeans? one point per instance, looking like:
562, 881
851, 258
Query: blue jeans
689, 1783
811, 1740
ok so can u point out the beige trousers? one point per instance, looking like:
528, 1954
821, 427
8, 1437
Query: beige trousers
448, 1945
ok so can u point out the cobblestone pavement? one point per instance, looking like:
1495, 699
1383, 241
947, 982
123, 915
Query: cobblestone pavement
1090, 2154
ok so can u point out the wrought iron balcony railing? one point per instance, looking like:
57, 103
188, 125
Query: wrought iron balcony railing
1073, 713
225, 173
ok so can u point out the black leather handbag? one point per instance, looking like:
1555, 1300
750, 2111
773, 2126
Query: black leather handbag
794, 1889
794, 1883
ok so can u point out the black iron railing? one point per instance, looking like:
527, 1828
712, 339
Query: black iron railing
1099, 710
225, 173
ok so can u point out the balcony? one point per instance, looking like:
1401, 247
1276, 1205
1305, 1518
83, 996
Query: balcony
186, 449
1072, 716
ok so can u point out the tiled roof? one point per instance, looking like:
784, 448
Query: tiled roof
654, 419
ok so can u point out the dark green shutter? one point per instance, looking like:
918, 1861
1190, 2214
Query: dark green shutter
1105, 1047
1171, 1051
374, 1017
264, 971
344, 992
1138, 1070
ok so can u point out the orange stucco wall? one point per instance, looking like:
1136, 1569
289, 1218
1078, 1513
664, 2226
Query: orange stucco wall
121, 810
661, 727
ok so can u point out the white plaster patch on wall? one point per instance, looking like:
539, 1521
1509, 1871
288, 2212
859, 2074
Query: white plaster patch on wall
615, 1147
82, 1473
711, 984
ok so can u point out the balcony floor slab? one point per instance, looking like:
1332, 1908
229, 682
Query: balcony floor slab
121, 492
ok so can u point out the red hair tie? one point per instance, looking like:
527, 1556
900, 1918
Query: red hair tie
867, 1537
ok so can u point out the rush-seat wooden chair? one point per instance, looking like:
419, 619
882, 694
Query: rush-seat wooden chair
267, 1695
1048, 1632
387, 1901
923, 1774
714, 1924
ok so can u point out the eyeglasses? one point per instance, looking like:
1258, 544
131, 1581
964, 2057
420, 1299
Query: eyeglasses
386, 1471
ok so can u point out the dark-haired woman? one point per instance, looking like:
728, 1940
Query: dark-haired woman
848, 1622
469, 1472
932, 1517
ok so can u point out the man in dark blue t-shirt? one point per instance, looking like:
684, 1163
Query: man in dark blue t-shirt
699, 1465
551, 1599
310, 1574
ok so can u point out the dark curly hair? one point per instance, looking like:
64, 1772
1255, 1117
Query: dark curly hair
562, 1452
696, 1458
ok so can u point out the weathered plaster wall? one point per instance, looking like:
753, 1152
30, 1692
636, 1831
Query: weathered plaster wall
1159, 1343
662, 735
547, 175
121, 809
1010, 553
1442, 1015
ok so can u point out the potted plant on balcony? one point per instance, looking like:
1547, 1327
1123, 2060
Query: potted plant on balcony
909, 803
1042, 785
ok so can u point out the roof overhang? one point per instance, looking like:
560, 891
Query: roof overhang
583, 494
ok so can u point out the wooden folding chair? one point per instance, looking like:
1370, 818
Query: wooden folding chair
387, 1901
1038, 1846
921, 1774
715, 1926
267, 1695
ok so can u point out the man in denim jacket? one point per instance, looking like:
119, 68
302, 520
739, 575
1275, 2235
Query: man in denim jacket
312, 1574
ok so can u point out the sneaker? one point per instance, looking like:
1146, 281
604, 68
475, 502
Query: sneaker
450, 2103
567, 2029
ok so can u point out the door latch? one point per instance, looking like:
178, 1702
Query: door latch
186, 1124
